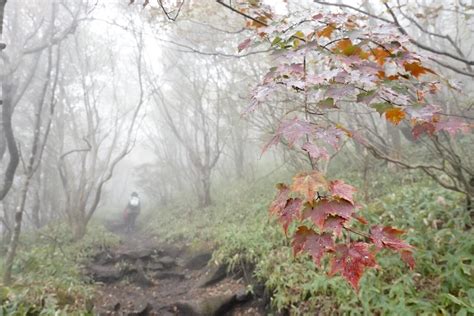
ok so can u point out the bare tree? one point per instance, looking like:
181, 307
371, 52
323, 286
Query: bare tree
103, 136
37, 148
33, 39
193, 112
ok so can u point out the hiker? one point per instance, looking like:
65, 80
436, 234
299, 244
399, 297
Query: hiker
131, 212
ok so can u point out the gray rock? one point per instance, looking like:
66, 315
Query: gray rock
213, 275
143, 309
153, 266
115, 306
104, 258
198, 261
135, 253
141, 277
243, 296
106, 274
167, 261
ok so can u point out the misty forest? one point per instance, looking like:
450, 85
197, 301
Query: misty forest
236, 157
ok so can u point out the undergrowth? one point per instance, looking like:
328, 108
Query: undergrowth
434, 219
48, 280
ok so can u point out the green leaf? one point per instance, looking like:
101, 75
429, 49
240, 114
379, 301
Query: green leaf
466, 269
366, 97
381, 107
299, 34
276, 40
3, 294
296, 43
326, 103
470, 295
462, 312
458, 301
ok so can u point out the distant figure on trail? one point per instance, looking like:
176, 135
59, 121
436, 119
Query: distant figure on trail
131, 212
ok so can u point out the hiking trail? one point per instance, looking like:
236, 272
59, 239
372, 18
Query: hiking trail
142, 276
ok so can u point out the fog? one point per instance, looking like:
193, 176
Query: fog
123, 99
102, 98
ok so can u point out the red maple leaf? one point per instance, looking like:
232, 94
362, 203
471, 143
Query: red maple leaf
280, 200
244, 44
290, 213
315, 152
420, 129
323, 208
342, 190
407, 257
291, 130
315, 244
294, 129
351, 261
334, 224
388, 237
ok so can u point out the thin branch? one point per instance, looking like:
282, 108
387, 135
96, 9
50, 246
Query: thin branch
241, 13
168, 15
421, 45
355, 9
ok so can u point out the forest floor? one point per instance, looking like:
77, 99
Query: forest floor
142, 276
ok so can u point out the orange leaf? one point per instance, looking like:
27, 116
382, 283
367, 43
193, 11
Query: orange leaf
363, 54
380, 54
327, 31
346, 47
395, 115
308, 183
381, 75
256, 24
416, 69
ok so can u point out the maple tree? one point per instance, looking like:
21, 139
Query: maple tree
325, 60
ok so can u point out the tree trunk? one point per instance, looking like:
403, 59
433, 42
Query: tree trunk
205, 199
470, 201
395, 144
35, 211
7, 131
7, 275
366, 176
3, 141
239, 155
6, 118
207, 194
79, 227
6, 227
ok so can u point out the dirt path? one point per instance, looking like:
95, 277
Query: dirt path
144, 277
